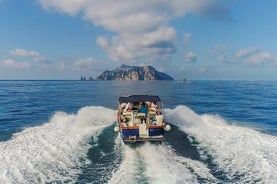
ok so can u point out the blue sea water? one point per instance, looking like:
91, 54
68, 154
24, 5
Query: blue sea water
62, 132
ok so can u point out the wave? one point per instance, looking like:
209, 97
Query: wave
242, 154
158, 163
152, 163
57, 151
126, 172
164, 166
54, 151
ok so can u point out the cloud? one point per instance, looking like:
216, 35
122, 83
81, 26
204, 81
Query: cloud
250, 55
10, 63
255, 56
218, 51
132, 47
85, 64
222, 53
260, 58
24, 53
70, 7
246, 52
190, 57
102, 42
217, 9
141, 28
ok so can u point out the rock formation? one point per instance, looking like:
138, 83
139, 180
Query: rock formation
125, 72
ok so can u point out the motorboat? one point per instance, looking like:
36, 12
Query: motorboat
140, 118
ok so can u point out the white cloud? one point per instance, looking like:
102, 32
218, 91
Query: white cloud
222, 53
142, 27
85, 64
24, 53
132, 47
10, 63
190, 57
102, 42
260, 58
246, 52
218, 51
250, 55
214, 9
255, 56
70, 7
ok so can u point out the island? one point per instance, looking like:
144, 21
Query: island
125, 72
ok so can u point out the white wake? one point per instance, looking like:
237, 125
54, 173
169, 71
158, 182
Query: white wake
126, 173
163, 166
54, 151
158, 164
244, 154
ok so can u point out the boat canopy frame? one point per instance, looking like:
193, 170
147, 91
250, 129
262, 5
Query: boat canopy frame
139, 98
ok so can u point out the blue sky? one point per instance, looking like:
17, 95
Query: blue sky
193, 39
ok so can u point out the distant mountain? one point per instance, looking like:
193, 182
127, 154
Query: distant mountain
125, 72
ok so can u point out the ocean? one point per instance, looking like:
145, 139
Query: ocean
62, 132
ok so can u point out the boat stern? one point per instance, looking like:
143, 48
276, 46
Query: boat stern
139, 133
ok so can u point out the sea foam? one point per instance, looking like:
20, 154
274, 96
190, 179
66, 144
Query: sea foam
126, 172
164, 166
157, 163
242, 153
52, 152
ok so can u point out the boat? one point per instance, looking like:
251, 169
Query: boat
140, 118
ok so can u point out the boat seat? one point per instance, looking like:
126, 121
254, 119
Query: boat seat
152, 115
160, 119
126, 113
131, 123
141, 115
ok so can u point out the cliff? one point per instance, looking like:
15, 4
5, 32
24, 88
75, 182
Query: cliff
125, 72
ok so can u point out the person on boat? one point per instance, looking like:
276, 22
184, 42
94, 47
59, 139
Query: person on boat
123, 109
128, 107
154, 107
136, 105
143, 109
123, 106
120, 117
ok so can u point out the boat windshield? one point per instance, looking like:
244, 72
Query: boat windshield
139, 98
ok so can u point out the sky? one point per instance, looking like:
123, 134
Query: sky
192, 39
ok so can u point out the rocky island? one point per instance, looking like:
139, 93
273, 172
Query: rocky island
125, 72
